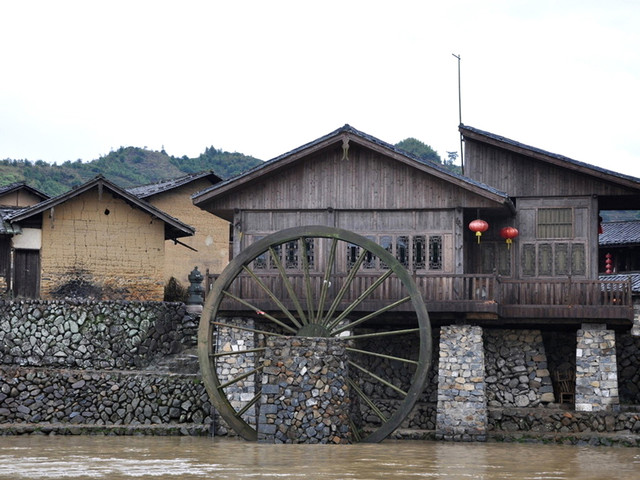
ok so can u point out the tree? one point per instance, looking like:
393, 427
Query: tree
419, 149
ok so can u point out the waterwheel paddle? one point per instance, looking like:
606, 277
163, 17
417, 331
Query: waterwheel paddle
299, 281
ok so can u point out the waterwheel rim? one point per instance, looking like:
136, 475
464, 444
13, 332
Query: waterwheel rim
312, 312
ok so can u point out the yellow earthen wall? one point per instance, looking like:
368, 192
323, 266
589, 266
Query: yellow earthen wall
121, 252
211, 239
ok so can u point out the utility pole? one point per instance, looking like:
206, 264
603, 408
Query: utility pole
460, 114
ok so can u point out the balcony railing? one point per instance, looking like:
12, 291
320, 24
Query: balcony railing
485, 294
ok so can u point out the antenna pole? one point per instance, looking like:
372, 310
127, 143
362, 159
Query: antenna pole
460, 114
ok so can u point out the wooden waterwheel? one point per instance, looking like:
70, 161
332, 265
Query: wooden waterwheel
317, 281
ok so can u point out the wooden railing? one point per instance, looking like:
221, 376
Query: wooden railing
466, 293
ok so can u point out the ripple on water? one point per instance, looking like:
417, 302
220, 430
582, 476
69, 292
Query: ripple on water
116, 458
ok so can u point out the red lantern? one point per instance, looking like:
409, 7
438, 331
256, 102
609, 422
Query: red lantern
478, 226
509, 233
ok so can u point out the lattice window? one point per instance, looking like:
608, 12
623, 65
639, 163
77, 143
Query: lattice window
386, 242
562, 259
402, 250
369, 259
419, 256
435, 252
291, 255
352, 255
277, 252
555, 223
311, 252
260, 262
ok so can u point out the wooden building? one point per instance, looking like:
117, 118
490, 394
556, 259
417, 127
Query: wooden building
95, 241
420, 212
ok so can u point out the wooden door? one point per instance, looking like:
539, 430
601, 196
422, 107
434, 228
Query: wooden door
27, 273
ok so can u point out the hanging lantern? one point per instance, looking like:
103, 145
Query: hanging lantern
509, 233
608, 263
478, 226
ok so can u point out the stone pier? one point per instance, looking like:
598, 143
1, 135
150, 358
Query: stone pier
596, 369
305, 395
462, 400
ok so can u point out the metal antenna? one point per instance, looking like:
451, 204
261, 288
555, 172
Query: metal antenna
460, 114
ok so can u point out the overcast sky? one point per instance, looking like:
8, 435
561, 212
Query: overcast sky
78, 79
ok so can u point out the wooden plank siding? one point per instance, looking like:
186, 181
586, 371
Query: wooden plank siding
506, 170
367, 180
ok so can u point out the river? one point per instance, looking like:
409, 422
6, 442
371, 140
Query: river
116, 458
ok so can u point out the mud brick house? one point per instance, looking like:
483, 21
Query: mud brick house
15, 197
97, 240
536, 305
208, 248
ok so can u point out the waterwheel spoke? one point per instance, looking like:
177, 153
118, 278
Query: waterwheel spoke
326, 282
260, 312
272, 296
236, 352
378, 378
253, 371
347, 284
307, 278
380, 311
360, 299
289, 288
381, 355
384, 334
247, 329
252, 402
367, 400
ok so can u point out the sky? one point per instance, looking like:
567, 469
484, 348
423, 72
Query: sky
81, 78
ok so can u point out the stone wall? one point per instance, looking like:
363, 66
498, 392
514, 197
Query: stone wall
596, 369
92, 335
462, 400
305, 394
104, 399
517, 373
100, 366
628, 356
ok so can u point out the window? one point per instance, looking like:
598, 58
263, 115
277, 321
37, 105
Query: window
555, 223
435, 252
402, 250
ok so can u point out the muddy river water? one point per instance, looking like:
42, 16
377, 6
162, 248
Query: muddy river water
114, 458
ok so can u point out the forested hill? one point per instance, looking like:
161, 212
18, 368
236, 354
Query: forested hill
133, 166
126, 167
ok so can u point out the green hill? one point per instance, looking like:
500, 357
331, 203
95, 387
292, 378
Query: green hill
126, 167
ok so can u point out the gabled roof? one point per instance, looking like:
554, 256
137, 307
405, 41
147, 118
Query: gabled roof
620, 233
174, 228
22, 186
144, 191
349, 134
552, 158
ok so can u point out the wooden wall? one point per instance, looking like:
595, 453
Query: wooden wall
522, 176
367, 180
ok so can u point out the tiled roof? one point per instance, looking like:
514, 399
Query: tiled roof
621, 277
620, 233
145, 191
5, 227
